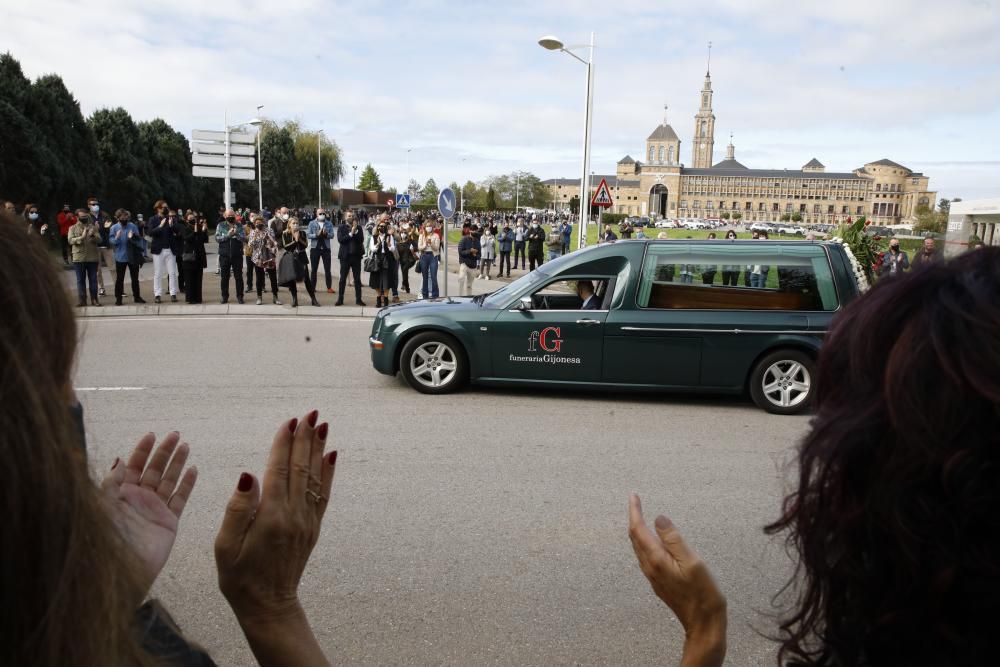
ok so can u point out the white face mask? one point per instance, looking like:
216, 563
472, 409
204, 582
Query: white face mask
428, 228
283, 217
94, 208
32, 216
321, 217
534, 225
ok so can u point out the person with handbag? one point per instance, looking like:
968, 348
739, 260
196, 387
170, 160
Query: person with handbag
264, 251
380, 261
406, 246
194, 259
248, 228
123, 237
294, 263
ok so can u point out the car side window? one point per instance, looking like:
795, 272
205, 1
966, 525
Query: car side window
571, 294
737, 276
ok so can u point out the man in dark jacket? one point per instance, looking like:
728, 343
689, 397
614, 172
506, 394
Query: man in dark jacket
102, 222
231, 236
928, 254
536, 239
468, 257
351, 239
162, 234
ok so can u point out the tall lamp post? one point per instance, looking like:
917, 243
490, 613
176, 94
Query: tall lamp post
554, 44
355, 168
319, 169
258, 123
461, 194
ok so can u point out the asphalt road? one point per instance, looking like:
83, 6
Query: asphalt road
487, 527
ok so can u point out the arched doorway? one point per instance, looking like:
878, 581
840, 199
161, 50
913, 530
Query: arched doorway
658, 200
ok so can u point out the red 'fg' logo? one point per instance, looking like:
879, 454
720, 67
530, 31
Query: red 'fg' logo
548, 340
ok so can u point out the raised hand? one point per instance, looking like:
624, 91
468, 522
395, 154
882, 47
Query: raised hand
146, 498
680, 578
266, 538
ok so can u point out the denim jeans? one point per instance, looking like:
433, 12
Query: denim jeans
429, 272
553, 254
86, 271
758, 280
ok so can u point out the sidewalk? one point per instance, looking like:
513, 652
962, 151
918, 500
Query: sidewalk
211, 294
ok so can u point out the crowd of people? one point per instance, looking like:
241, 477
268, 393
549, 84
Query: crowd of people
890, 522
289, 247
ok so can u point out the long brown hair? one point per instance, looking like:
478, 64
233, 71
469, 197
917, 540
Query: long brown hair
66, 579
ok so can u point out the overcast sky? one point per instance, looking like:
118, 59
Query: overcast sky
467, 88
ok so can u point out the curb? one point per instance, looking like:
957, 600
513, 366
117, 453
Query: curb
224, 309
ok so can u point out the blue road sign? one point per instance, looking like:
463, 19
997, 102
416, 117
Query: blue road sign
446, 203
402, 201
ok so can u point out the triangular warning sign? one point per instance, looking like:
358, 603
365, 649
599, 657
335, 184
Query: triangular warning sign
603, 195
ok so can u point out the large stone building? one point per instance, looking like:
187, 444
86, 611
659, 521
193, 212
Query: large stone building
659, 185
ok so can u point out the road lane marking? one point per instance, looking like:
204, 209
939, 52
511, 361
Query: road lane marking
110, 388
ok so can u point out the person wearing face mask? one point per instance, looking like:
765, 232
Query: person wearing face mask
351, 241
230, 236
382, 251
162, 234
126, 243
536, 239
279, 222
264, 250
730, 272
429, 247
195, 234
895, 261
520, 241
84, 238
102, 223
608, 236
506, 243
65, 220
468, 260
320, 232
406, 247
488, 253
48, 233
294, 242
247, 252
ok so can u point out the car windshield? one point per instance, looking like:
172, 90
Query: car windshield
501, 297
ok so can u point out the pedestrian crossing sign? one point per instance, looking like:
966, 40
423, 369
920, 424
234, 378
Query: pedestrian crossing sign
402, 201
602, 197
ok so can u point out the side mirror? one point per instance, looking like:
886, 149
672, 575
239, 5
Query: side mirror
525, 303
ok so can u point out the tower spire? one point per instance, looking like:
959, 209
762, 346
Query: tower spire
708, 69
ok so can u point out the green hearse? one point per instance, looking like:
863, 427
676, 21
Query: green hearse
716, 317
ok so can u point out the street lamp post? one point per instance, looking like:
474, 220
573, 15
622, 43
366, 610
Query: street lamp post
517, 193
461, 192
408, 170
355, 168
229, 128
554, 44
319, 169
258, 123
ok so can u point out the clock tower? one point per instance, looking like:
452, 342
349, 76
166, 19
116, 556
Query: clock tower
704, 125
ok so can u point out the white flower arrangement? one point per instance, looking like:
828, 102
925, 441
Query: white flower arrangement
859, 274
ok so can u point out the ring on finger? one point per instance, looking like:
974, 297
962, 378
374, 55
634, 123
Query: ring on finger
315, 496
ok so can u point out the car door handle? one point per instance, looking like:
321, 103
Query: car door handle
588, 323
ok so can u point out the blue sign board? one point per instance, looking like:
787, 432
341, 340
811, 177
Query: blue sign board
446, 203
402, 201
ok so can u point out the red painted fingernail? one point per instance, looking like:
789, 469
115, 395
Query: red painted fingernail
331, 458
246, 482
324, 428
292, 425
115, 464
312, 417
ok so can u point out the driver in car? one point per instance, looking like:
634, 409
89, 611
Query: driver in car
585, 290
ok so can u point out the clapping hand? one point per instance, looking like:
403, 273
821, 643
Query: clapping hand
682, 581
146, 498
267, 536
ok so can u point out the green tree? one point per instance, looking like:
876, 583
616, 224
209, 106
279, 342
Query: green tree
785, 217
413, 188
370, 180
929, 221
306, 155
283, 182
725, 215
491, 199
170, 161
429, 193
130, 182
737, 215
28, 169
944, 206
796, 217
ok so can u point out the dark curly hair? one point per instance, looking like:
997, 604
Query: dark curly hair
896, 519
